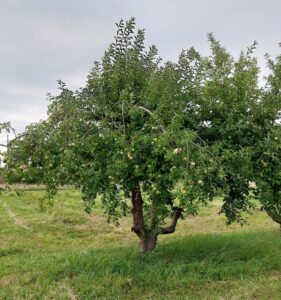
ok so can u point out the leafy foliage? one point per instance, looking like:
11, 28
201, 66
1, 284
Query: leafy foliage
268, 163
170, 135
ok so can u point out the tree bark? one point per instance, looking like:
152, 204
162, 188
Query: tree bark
170, 229
137, 212
148, 235
148, 242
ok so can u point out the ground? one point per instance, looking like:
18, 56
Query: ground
60, 252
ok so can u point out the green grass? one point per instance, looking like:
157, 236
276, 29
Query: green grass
66, 254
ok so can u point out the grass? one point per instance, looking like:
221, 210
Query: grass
63, 253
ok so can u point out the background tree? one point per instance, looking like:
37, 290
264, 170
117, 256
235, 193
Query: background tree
23, 166
267, 165
4, 127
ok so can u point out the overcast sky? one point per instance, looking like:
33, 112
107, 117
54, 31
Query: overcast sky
45, 40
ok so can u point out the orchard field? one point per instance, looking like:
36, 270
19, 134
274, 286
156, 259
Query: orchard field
60, 252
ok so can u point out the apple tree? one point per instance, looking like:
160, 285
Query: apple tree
168, 136
126, 135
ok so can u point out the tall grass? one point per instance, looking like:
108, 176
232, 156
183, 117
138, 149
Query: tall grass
86, 258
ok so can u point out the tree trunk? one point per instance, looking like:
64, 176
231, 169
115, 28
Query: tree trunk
148, 235
148, 242
147, 239
137, 212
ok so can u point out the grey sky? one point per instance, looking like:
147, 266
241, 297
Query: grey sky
45, 40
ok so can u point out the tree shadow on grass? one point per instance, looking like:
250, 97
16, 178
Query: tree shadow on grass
210, 256
216, 256
195, 263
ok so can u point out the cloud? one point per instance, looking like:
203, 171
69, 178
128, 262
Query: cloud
42, 41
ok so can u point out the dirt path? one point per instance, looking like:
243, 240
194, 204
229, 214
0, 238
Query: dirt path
14, 217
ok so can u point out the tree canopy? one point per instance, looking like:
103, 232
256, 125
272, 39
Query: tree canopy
167, 135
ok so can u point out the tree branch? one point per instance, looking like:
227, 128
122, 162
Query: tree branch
146, 110
151, 114
195, 133
123, 118
170, 229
